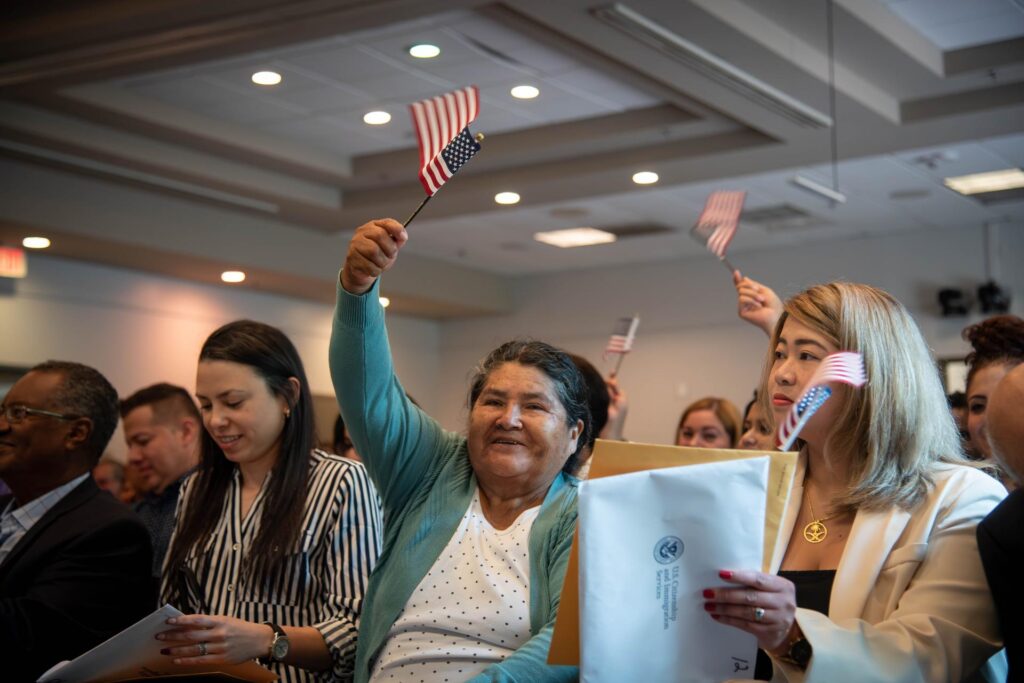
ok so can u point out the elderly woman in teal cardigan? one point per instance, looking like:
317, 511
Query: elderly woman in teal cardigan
478, 526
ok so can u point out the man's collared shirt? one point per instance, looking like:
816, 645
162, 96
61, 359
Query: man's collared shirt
157, 513
15, 522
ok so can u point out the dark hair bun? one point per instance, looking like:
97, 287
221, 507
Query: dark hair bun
995, 340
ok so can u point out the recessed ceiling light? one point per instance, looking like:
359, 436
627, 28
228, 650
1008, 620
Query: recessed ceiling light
376, 118
993, 181
424, 51
35, 243
507, 198
525, 92
385, 302
266, 78
645, 178
574, 237
232, 276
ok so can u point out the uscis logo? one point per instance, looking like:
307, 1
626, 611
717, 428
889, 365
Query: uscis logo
668, 550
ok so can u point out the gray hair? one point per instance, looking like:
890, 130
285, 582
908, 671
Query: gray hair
559, 368
85, 392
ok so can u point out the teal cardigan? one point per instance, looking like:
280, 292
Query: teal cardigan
426, 484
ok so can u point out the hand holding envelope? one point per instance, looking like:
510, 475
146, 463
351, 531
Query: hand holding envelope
642, 611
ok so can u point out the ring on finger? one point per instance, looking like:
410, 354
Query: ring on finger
758, 613
202, 649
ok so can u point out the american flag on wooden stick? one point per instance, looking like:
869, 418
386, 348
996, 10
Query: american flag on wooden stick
444, 139
623, 335
718, 222
846, 367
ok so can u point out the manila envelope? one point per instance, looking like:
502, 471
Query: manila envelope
620, 457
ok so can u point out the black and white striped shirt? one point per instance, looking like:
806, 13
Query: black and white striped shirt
320, 583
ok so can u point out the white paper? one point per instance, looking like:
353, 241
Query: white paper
135, 653
650, 542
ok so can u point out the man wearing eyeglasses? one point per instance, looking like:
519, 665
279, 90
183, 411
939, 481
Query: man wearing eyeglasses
74, 563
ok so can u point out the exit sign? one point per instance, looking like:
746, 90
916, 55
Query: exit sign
12, 262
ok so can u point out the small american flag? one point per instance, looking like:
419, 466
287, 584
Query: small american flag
444, 140
846, 367
621, 341
717, 223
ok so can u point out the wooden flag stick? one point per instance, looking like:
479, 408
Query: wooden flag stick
615, 372
417, 211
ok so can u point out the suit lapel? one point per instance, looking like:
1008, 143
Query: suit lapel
871, 540
74, 499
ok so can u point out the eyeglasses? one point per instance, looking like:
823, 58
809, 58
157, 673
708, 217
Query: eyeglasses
17, 413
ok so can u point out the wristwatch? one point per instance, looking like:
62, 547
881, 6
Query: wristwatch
279, 646
798, 654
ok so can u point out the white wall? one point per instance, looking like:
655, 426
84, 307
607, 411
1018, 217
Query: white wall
690, 342
139, 329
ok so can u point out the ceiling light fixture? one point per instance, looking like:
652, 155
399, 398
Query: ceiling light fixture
524, 92
992, 181
574, 237
424, 51
507, 198
385, 302
817, 188
645, 178
35, 243
376, 118
232, 276
266, 78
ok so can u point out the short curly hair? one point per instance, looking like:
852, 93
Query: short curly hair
996, 341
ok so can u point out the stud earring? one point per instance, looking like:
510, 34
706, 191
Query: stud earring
287, 413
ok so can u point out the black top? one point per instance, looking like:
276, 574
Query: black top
813, 592
1001, 545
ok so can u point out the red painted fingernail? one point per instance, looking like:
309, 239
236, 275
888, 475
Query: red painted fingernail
709, 606
725, 574
708, 593
715, 617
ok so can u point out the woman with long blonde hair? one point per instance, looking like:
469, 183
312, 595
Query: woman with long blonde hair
879, 577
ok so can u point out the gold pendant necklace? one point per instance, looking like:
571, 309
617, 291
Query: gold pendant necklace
815, 531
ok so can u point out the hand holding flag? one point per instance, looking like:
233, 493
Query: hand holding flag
717, 224
846, 367
621, 341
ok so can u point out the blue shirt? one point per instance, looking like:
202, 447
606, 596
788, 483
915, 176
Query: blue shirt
16, 521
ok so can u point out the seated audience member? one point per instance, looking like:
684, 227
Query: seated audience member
479, 525
958, 407
1000, 536
161, 428
74, 562
997, 346
109, 476
598, 399
274, 540
758, 431
880, 574
342, 443
709, 423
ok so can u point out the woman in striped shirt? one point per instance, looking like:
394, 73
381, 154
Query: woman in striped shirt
274, 541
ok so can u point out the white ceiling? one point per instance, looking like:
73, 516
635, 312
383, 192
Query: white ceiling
160, 104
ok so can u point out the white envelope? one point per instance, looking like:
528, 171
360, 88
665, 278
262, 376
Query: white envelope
650, 542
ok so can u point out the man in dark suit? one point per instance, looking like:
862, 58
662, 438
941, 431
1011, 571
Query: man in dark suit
1001, 534
74, 562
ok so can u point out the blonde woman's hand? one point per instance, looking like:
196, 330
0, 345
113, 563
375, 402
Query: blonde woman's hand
761, 604
373, 249
758, 304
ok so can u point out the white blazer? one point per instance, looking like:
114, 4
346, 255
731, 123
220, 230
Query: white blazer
910, 602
